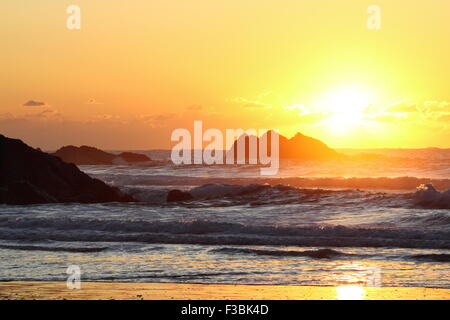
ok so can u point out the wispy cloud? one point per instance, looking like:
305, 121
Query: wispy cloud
46, 114
93, 101
414, 112
303, 115
33, 103
246, 103
157, 120
403, 107
194, 107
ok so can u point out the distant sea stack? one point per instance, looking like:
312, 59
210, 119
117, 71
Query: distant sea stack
86, 155
30, 176
306, 148
299, 147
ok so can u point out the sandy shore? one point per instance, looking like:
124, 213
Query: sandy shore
171, 291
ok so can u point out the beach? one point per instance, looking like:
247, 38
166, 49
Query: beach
44, 290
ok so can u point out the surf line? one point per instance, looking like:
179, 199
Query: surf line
252, 146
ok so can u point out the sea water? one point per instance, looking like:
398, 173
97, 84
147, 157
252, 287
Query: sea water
240, 228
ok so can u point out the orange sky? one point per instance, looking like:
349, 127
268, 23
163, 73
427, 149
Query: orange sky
139, 69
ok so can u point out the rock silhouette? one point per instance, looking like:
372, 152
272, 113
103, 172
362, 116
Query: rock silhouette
133, 157
299, 147
30, 176
86, 155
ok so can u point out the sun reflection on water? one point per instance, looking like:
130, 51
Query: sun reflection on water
350, 293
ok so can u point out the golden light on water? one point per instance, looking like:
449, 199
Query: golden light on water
350, 293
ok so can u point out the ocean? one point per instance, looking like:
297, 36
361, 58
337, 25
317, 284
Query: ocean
310, 225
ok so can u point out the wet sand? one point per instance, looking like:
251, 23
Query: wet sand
172, 291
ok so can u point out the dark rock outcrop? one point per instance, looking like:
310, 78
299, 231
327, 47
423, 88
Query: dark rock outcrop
133, 157
178, 195
30, 176
86, 155
306, 148
299, 147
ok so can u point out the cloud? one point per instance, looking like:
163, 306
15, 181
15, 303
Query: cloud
194, 108
48, 113
403, 107
312, 118
106, 117
435, 110
93, 101
435, 106
252, 103
387, 117
407, 111
269, 107
445, 117
51, 134
426, 107
303, 115
264, 100
301, 109
33, 103
157, 120
8, 117
45, 116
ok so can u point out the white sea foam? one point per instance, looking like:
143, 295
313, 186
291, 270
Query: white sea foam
427, 196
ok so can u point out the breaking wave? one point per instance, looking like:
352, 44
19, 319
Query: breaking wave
52, 249
215, 233
384, 183
315, 254
431, 257
427, 196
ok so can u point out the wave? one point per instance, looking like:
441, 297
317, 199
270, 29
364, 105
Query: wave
323, 254
149, 196
431, 257
427, 196
214, 191
385, 183
215, 233
427, 219
316, 254
52, 249
257, 195
264, 194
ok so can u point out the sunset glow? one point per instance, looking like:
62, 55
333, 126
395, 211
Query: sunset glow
130, 84
225, 150
347, 107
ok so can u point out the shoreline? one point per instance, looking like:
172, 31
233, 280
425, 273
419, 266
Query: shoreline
57, 290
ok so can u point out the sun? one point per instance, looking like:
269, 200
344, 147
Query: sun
346, 107
350, 293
